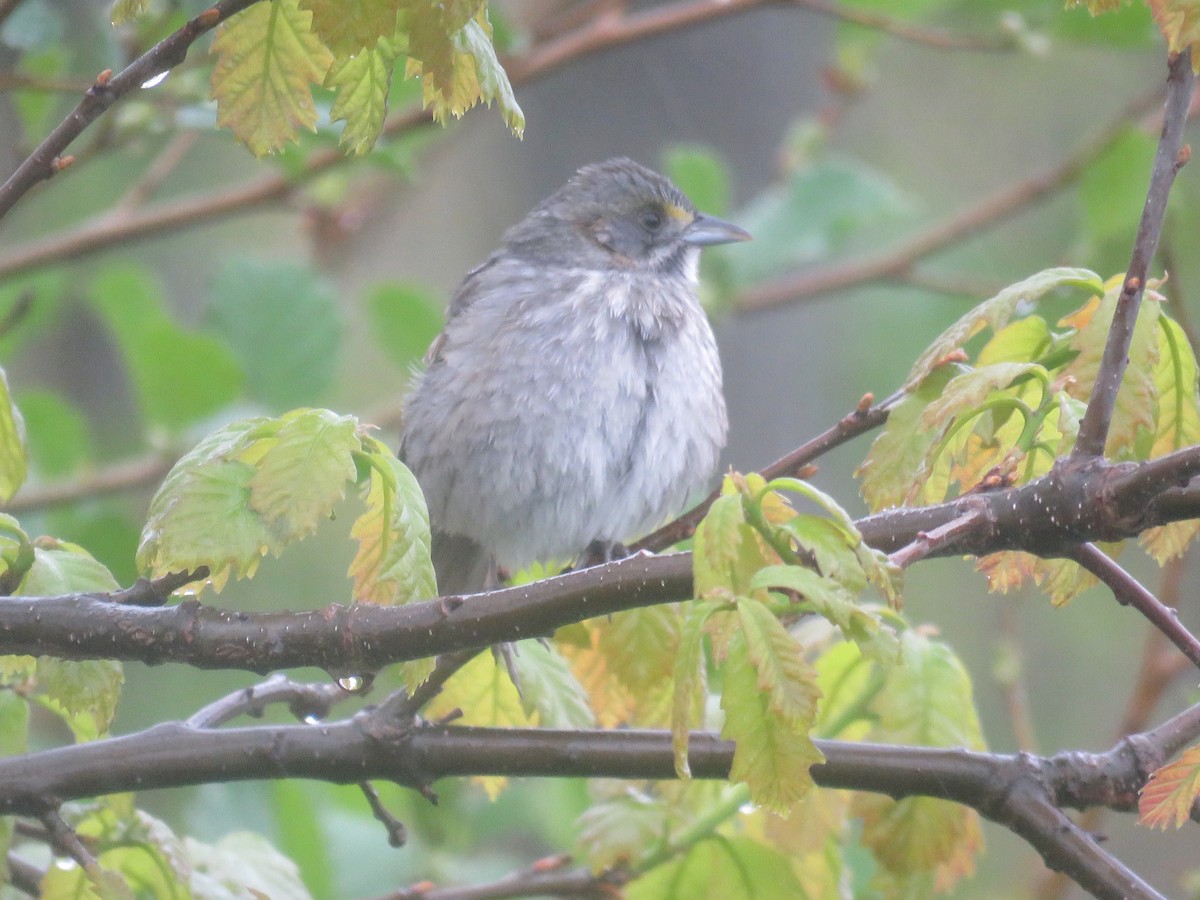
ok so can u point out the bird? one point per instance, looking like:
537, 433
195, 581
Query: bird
574, 396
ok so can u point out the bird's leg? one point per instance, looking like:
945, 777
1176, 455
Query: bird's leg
601, 551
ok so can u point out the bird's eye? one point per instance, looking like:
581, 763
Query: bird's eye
652, 220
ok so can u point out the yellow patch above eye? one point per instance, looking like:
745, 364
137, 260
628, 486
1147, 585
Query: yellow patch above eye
678, 213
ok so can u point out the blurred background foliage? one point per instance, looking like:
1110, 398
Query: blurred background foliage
832, 142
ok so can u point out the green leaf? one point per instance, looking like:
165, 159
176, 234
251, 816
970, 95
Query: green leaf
127, 10
58, 436
549, 688
967, 390
243, 864
726, 551
620, 828
896, 458
829, 599
404, 319
392, 564
361, 84
1020, 341
180, 377
62, 568
721, 868
282, 323
689, 681
16, 551
996, 313
701, 174
248, 489
304, 471
639, 645
769, 696
926, 701
13, 462
267, 61
84, 694
788, 681
201, 515
14, 724
811, 217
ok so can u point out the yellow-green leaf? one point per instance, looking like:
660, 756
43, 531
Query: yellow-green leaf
304, 471
1179, 22
392, 564
769, 695
721, 868
13, 462
267, 61
996, 313
689, 682
83, 694
348, 26
361, 83
969, 389
897, 456
549, 690
127, 10
457, 64
829, 599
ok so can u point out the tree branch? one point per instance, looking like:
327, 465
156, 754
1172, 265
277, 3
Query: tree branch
1129, 591
1020, 791
1171, 156
1047, 517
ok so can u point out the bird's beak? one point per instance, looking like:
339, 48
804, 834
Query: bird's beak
708, 230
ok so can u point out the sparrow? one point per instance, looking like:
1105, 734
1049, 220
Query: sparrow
573, 398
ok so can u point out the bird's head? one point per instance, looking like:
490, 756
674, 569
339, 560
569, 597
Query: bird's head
620, 214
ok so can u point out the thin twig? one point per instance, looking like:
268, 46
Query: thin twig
1171, 156
64, 840
25, 875
927, 542
156, 173
114, 478
396, 832
545, 878
156, 591
1129, 591
308, 702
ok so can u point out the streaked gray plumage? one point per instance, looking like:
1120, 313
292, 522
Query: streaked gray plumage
575, 392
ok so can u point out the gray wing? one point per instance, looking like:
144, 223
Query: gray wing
465, 294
